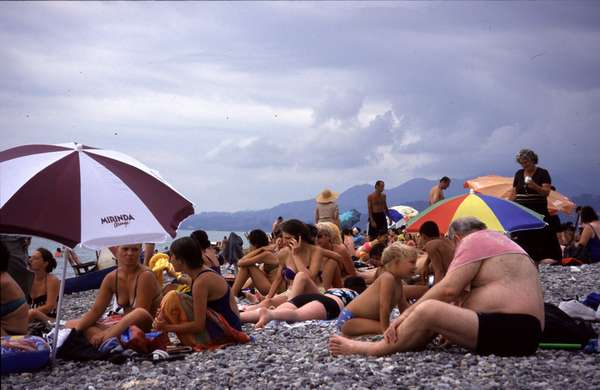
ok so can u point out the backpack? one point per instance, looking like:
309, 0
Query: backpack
560, 328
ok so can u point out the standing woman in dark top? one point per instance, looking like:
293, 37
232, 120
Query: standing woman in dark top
209, 255
44, 291
531, 187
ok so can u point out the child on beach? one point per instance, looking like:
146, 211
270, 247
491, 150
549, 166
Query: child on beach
249, 266
207, 316
370, 312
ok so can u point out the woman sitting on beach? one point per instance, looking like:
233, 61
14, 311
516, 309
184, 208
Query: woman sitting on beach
209, 254
334, 271
44, 290
298, 255
13, 306
249, 265
208, 315
370, 312
314, 306
137, 294
589, 240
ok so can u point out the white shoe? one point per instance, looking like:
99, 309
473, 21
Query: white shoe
576, 309
62, 336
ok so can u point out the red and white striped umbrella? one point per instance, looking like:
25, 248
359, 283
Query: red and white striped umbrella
76, 194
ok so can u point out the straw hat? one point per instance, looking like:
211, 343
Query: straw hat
327, 196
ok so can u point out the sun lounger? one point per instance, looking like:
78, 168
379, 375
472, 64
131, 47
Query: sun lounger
79, 267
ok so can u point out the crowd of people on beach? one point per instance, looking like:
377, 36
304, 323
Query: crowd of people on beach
473, 287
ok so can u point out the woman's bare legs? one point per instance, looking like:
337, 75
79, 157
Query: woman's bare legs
260, 280
288, 312
303, 284
241, 277
332, 275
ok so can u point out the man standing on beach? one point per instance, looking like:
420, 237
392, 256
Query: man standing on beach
378, 210
502, 310
437, 191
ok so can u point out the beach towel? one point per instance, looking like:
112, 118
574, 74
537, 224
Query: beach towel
177, 308
482, 245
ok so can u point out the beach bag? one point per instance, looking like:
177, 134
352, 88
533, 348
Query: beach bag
560, 328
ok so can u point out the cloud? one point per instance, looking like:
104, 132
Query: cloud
288, 98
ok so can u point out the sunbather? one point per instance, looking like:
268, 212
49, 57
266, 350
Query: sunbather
43, 296
502, 313
137, 294
209, 315
314, 306
260, 264
329, 238
209, 254
299, 254
13, 306
370, 312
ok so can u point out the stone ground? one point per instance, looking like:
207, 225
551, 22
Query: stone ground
297, 357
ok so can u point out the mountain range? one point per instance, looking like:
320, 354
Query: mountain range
412, 193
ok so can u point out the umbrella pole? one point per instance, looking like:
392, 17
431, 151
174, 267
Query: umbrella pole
61, 294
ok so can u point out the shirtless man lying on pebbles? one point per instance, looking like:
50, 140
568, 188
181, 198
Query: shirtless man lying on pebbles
502, 311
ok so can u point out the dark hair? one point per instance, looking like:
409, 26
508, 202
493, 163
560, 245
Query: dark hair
258, 238
297, 228
346, 232
48, 258
444, 179
355, 283
378, 182
4, 256
377, 250
314, 232
201, 239
430, 229
187, 250
588, 214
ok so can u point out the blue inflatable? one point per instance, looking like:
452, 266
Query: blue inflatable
23, 354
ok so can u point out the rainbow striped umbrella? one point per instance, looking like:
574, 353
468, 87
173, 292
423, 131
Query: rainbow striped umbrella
498, 214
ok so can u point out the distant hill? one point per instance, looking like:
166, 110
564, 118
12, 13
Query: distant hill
412, 193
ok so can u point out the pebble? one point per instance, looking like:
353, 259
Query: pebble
298, 358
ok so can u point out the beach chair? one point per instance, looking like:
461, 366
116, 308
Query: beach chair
79, 267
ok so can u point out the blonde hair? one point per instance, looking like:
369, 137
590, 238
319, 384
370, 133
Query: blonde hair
398, 251
331, 230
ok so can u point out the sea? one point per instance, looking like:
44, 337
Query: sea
86, 254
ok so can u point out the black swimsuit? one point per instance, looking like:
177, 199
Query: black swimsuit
220, 305
41, 300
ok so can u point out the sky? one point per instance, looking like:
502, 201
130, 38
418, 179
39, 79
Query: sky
248, 105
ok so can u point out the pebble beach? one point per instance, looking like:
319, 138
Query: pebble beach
296, 356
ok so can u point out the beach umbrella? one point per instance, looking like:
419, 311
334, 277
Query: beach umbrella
400, 215
76, 194
498, 214
501, 187
349, 218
